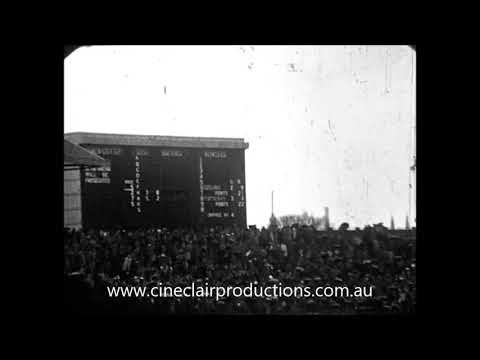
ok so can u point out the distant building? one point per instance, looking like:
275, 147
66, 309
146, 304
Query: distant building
327, 218
407, 223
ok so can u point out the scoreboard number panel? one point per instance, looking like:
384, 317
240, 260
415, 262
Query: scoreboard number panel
222, 189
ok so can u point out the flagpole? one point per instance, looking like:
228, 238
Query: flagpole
272, 202
412, 168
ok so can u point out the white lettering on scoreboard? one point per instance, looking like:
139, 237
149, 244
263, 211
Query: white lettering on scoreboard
222, 201
216, 215
138, 203
97, 181
215, 154
142, 152
209, 187
100, 175
131, 190
202, 204
214, 198
105, 150
172, 153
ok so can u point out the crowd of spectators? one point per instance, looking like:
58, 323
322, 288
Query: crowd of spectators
291, 256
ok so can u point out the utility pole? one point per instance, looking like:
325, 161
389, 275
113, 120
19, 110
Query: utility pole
327, 218
272, 202
272, 217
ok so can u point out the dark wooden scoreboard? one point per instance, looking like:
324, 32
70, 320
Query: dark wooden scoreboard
156, 181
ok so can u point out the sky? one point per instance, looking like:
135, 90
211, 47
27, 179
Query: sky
328, 126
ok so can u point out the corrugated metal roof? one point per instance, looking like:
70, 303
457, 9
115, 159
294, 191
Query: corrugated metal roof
76, 155
156, 140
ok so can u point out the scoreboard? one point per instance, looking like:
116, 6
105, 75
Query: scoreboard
157, 185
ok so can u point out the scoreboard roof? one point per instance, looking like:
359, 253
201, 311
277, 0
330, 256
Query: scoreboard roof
156, 140
74, 155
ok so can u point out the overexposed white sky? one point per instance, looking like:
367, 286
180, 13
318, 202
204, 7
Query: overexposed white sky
327, 125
